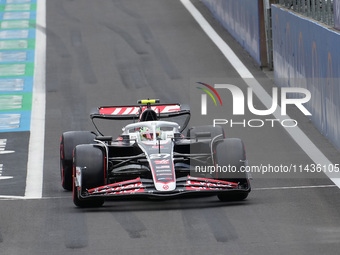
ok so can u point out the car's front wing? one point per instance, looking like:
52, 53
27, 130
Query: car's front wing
188, 185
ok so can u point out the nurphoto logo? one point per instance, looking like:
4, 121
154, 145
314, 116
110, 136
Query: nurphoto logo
238, 106
204, 97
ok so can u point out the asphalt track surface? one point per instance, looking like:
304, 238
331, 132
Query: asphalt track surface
116, 52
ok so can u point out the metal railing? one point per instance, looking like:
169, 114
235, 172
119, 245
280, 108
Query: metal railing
320, 10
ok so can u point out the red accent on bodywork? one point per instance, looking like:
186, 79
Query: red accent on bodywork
129, 186
162, 162
196, 183
73, 184
61, 148
105, 168
117, 184
126, 110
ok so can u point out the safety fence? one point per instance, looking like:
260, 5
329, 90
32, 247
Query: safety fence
301, 49
306, 54
242, 20
320, 10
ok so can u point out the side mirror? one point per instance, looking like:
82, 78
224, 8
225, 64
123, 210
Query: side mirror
104, 138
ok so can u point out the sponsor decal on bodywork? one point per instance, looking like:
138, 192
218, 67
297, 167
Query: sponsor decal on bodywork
135, 109
161, 157
130, 186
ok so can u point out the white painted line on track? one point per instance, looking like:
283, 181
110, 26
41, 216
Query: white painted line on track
4, 197
15, 24
35, 163
296, 133
5, 34
6, 177
297, 187
17, 7
12, 197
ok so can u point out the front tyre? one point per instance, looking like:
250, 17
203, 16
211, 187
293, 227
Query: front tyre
88, 172
69, 140
231, 153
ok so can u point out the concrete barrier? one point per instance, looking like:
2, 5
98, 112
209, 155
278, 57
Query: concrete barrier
241, 19
306, 54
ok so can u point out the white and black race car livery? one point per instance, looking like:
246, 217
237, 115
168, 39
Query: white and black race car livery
151, 158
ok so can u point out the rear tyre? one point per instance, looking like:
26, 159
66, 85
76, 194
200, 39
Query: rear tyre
69, 140
89, 162
231, 152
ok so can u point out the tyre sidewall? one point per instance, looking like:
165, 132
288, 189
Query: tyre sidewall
69, 140
230, 153
90, 161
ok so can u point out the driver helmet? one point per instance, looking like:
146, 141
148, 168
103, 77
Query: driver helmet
147, 134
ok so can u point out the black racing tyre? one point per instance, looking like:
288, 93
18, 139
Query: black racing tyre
90, 161
69, 140
231, 153
215, 131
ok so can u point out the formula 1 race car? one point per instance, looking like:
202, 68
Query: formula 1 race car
151, 158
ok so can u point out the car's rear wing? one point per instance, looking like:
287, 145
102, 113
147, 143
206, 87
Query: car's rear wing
134, 112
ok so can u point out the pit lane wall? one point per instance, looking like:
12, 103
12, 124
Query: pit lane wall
337, 14
241, 19
306, 54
